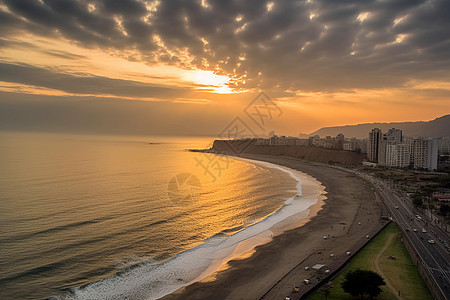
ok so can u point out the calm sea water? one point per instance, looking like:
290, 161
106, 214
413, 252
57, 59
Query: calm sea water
92, 217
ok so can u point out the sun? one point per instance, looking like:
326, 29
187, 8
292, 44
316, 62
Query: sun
210, 81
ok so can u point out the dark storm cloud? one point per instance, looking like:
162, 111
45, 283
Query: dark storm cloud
125, 7
85, 83
308, 45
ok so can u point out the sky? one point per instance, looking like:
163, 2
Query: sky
201, 67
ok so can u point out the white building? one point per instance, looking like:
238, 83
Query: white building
424, 153
391, 155
302, 142
350, 145
398, 155
392, 137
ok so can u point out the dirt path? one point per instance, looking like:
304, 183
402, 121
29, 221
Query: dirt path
377, 265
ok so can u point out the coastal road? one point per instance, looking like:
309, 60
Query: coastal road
419, 231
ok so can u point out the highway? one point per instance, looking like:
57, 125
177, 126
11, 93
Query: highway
435, 256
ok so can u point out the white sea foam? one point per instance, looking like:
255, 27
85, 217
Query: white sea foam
152, 281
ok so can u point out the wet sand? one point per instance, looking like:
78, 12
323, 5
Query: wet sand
349, 212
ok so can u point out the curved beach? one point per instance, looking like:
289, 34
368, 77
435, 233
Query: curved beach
306, 199
350, 212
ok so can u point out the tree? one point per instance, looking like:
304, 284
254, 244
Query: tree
417, 200
326, 292
326, 289
444, 209
363, 282
431, 207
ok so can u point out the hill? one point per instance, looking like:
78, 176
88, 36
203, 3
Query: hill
438, 127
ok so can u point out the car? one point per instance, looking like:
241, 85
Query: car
415, 230
407, 229
431, 241
424, 231
396, 206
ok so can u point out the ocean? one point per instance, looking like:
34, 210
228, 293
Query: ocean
126, 217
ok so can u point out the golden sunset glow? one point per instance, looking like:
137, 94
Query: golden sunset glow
218, 83
147, 144
362, 74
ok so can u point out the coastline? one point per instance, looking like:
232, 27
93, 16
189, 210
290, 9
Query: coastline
311, 190
296, 213
274, 267
154, 279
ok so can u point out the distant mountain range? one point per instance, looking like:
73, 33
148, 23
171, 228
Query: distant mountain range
439, 127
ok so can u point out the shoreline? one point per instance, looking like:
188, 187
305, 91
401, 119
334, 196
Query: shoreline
307, 188
307, 183
275, 267
202, 262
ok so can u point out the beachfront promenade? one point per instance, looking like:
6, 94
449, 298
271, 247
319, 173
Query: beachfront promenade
318, 278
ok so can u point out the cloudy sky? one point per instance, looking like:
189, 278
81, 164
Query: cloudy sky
187, 67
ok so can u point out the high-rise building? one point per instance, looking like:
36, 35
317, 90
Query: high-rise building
382, 151
403, 155
424, 153
373, 145
340, 141
434, 155
393, 136
350, 144
444, 146
392, 150
391, 156
362, 144
398, 155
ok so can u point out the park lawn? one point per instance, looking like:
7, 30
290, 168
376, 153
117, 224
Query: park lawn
401, 272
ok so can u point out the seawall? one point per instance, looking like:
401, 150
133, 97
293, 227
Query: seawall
315, 154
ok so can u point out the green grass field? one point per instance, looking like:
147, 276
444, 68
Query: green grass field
400, 273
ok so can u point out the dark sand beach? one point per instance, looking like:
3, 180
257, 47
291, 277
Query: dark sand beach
349, 213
